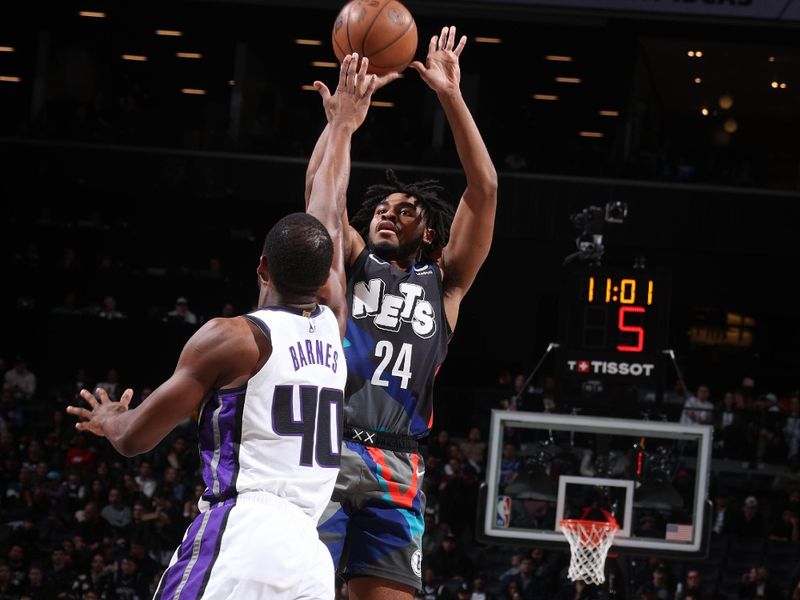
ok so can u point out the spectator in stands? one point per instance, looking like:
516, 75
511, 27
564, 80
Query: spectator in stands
95, 578
536, 577
510, 465
658, 587
437, 446
449, 560
464, 591
692, 587
109, 310
35, 587
722, 516
111, 383
749, 521
181, 312
8, 589
147, 485
474, 449
756, 584
728, 428
698, 409
20, 381
18, 564
116, 514
479, 591
79, 456
508, 574
127, 583
432, 587
791, 428
59, 576
785, 528
788, 477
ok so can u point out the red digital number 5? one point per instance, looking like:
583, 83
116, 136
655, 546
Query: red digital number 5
639, 331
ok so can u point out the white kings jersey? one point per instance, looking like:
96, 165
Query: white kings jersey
281, 432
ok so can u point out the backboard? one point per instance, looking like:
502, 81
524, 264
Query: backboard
653, 476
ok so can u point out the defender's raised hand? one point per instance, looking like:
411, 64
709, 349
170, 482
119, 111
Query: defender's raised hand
102, 407
441, 70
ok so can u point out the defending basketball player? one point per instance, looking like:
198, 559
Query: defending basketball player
268, 468
409, 264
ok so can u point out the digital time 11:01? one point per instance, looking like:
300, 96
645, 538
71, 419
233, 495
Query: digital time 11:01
624, 293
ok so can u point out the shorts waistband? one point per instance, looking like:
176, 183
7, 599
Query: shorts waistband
396, 442
260, 497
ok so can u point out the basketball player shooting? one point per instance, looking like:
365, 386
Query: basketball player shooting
269, 471
409, 264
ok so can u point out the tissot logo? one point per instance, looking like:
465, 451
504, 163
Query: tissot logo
608, 367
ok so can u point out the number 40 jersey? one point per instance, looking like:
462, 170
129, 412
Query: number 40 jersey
396, 339
282, 431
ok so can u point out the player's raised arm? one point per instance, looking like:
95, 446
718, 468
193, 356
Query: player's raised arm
346, 110
473, 224
321, 147
208, 359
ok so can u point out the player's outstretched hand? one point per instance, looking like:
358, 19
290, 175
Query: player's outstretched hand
441, 70
350, 103
102, 407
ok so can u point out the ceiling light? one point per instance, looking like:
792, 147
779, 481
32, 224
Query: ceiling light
590, 134
774, 85
550, 97
771, 59
783, 86
92, 14
193, 91
231, 82
558, 58
698, 80
698, 54
690, 53
188, 55
169, 32
10, 78
568, 79
488, 40
730, 126
324, 64
725, 102
609, 113
7, 49
306, 42
704, 111
134, 57
382, 104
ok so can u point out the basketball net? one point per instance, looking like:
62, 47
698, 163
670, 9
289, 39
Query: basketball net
589, 542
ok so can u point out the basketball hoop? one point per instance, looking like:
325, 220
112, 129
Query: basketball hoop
589, 542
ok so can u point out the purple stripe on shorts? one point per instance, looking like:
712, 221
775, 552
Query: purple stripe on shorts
187, 578
219, 439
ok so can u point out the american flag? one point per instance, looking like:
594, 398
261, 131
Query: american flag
679, 533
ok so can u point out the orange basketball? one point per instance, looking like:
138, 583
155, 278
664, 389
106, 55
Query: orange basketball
382, 30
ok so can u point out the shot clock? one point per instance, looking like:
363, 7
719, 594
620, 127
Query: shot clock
612, 322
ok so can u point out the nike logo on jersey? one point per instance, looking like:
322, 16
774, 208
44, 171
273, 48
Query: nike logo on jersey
390, 311
420, 473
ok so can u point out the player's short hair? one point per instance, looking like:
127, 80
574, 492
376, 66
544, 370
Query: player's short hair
299, 253
437, 212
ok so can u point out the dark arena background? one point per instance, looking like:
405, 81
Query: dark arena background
146, 149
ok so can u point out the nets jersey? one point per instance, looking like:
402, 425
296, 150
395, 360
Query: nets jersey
396, 340
281, 431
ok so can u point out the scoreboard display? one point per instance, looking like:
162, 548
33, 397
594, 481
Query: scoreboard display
612, 322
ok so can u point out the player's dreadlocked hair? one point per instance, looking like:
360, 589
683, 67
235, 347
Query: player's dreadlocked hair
437, 212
